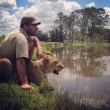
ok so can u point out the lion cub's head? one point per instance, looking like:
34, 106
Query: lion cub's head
39, 68
51, 64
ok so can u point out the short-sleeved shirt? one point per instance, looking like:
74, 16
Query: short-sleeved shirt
15, 45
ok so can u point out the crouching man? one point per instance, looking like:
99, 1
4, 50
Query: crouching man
19, 45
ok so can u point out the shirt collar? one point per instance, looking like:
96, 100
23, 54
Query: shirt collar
23, 32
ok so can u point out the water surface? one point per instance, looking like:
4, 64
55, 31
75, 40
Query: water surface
86, 76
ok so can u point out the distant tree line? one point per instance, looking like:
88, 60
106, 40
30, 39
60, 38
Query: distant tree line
81, 25
84, 25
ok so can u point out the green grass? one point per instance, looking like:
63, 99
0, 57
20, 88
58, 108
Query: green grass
12, 97
44, 49
47, 47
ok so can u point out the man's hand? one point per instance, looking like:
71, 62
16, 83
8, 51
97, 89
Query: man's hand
26, 87
40, 55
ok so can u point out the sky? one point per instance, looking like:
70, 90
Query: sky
45, 11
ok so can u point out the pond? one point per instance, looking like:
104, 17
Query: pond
86, 76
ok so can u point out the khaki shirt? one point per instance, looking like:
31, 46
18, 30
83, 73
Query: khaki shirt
15, 45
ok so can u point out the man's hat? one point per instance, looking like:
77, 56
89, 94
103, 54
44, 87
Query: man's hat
29, 20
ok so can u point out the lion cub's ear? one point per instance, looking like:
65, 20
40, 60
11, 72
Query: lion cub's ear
47, 59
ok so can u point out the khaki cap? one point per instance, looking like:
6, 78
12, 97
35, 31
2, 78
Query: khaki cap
29, 20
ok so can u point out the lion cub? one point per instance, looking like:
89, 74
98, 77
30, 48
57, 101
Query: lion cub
36, 70
39, 68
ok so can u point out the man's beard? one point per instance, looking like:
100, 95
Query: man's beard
32, 33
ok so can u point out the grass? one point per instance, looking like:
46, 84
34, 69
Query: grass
12, 97
47, 47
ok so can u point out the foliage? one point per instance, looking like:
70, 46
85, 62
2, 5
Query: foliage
56, 35
85, 21
96, 18
42, 36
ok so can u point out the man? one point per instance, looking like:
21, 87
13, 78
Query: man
19, 45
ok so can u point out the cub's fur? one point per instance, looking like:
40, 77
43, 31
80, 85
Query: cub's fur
36, 70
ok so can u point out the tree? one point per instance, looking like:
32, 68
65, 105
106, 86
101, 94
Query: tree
82, 20
42, 36
96, 18
86, 21
59, 27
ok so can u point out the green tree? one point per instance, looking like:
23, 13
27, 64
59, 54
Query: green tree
96, 18
59, 27
87, 22
42, 36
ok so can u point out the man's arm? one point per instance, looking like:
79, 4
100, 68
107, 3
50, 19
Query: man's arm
21, 68
39, 49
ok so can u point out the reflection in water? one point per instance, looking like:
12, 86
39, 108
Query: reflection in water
86, 76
